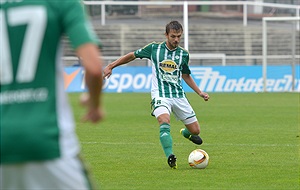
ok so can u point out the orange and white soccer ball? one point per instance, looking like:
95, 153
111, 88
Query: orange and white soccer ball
198, 159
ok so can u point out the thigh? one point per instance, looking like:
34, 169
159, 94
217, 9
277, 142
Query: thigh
57, 174
182, 109
160, 106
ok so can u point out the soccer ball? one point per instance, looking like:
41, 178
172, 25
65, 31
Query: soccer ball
198, 159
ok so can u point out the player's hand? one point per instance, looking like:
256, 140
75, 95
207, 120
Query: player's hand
107, 72
205, 96
94, 114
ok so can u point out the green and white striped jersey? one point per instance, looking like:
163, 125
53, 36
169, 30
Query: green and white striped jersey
167, 67
36, 120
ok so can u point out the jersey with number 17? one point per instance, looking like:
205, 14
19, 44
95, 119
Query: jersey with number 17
36, 121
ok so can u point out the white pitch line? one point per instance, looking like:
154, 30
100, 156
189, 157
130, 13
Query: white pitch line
256, 145
206, 144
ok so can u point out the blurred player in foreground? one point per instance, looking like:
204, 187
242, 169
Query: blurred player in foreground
169, 66
39, 146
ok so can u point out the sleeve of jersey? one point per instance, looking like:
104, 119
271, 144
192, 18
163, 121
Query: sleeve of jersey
77, 26
144, 52
185, 66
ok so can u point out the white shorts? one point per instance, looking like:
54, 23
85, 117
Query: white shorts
179, 106
56, 174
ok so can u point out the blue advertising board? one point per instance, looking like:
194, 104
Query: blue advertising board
209, 79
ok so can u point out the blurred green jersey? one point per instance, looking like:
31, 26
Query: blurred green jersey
36, 120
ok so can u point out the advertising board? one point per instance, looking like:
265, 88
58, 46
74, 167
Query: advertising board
209, 79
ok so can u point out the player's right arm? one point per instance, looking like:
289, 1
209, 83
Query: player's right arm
85, 41
89, 55
121, 61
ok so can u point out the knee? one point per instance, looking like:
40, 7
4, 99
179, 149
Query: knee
164, 118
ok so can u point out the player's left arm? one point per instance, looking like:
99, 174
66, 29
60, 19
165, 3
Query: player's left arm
186, 75
190, 81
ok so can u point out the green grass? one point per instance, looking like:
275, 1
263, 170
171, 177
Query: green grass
252, 140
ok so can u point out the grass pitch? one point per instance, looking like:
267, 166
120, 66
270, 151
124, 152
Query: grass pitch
252, 140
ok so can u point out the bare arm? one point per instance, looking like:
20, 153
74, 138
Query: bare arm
190, 81
89, 53
121, 61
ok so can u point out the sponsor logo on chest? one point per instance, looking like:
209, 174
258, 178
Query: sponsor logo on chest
168, 66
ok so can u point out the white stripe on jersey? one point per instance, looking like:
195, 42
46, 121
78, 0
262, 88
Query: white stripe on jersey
173, 58
165, 58
68, 142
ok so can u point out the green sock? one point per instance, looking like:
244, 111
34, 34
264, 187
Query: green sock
166, 139
186, 133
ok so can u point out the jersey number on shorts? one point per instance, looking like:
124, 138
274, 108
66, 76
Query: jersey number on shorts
35, 19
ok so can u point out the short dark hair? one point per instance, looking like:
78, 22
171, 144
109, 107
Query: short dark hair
173, 25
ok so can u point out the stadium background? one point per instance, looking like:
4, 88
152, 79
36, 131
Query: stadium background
216, 32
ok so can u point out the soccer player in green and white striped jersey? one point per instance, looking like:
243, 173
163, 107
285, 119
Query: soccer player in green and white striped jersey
39, 146
169, 67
